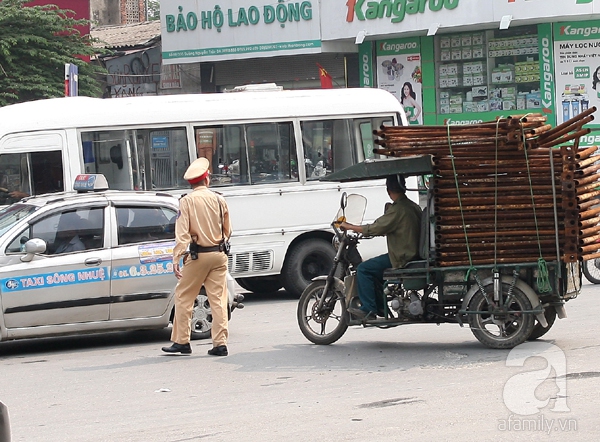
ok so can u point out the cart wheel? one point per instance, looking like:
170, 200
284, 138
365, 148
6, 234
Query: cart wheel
506, 327
538, 330
324, 326
591, 270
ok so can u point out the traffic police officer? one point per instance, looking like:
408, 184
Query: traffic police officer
202, 222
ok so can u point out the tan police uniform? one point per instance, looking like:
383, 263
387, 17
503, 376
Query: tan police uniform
200, 215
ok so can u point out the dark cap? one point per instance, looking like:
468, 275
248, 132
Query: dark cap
396, 183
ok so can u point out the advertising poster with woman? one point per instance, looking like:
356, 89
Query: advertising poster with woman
577, 68
399, 72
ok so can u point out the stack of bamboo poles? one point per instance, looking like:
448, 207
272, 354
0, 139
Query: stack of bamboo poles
503, 192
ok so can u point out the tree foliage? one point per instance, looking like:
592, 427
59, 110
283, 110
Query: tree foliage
35, 44
153, 9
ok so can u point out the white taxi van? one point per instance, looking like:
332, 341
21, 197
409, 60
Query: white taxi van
91, 260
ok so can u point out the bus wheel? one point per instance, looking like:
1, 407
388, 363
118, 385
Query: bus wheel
307, 260
260, 284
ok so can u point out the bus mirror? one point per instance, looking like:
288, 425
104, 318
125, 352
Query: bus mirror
344, 201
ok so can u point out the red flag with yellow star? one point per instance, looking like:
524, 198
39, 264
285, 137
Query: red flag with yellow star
326, 80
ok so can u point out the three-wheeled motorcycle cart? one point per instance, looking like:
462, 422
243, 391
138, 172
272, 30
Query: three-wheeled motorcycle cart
508, 218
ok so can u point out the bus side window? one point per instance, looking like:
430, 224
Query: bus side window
47, 172
329, 145
271, 152
143, 158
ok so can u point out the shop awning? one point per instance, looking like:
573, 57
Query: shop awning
381, 168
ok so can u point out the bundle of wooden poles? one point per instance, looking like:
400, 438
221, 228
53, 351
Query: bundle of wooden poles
508, 191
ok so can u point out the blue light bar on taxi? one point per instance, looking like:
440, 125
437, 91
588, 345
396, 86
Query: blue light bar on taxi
90, 182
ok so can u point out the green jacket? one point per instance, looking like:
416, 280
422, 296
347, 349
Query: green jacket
401, 224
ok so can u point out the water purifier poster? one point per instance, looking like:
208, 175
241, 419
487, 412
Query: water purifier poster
577, 68
399, 72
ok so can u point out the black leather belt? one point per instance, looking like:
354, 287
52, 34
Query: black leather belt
208, 249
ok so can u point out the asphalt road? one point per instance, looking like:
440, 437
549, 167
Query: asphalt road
410, 383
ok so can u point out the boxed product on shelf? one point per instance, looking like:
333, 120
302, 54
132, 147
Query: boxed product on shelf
495, 92
456, 99
456, 109
456, 54
495, 104
449, 69
455, 41
443, 81
503, 74
445, 55
477, 52
467, 53
444, 101
469, 106
483, 106
479, 91
479, 79
508, 92
496, 75
522, 100
467, 80
477, 38
453, 81
466, 40
478, 67
453, 68
444, 42
444, 94
445, 109
534, 100
508, 105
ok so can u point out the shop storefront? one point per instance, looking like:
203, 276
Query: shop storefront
255, 41
447, 61
459, 62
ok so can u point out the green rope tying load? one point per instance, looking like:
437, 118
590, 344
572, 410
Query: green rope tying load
543, 279
496, 198
471, 267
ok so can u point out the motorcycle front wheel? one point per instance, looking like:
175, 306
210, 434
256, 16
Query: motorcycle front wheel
325, 325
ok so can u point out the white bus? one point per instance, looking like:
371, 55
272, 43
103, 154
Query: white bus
267, 149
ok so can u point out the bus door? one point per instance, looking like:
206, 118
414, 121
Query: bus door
138, 159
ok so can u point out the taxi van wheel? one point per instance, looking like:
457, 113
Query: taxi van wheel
307, 260
202, 317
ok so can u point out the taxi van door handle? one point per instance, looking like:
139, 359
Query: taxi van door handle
93, 262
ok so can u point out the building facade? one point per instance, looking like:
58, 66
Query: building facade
454, 61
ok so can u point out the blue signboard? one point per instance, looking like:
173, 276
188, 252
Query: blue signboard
161, 142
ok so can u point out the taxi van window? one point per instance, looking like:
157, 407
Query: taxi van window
66, 232
139, 224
